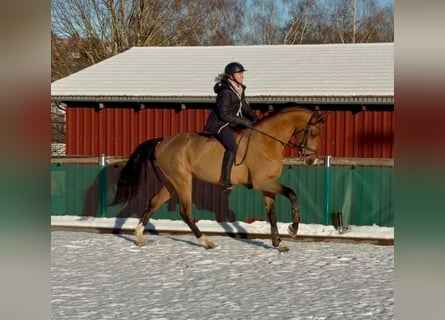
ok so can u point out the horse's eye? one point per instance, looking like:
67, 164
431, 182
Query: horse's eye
314, 133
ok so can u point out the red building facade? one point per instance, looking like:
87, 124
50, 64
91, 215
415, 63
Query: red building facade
116, 131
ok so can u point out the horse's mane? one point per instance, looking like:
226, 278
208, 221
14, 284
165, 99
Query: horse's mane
275, 112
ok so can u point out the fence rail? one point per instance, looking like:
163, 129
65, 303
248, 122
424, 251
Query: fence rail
357, 162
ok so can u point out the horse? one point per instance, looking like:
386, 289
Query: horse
258, 165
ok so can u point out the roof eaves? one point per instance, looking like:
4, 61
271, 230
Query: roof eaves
133, 99
359, 99
325, 99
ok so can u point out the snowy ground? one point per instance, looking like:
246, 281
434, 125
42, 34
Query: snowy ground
106, 276
257, 227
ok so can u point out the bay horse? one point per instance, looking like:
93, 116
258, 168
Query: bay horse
258, 164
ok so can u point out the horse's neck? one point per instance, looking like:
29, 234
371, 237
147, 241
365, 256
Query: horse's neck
283, 125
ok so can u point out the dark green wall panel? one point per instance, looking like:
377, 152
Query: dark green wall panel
364, 195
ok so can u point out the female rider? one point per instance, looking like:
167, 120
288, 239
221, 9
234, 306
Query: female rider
230, 112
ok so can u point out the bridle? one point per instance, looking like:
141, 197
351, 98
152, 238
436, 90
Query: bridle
301, 146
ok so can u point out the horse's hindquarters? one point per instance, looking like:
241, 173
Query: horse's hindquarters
188, 155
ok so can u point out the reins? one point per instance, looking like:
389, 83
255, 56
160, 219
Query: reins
245, 152
300, 146
286, 144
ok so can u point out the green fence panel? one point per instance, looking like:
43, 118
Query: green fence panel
364, 195
69, 185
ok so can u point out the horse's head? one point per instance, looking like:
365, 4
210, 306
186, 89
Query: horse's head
308, 138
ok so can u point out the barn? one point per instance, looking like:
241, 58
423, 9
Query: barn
150, 92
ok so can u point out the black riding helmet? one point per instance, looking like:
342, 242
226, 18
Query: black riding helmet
233, 67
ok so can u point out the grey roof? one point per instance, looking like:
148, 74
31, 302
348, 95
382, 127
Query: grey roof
322, 73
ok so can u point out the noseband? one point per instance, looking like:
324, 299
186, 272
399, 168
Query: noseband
302, 146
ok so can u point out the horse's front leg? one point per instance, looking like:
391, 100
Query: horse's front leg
291, 195
269, 201
269, 191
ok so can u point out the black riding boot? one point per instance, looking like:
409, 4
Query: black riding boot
226, 169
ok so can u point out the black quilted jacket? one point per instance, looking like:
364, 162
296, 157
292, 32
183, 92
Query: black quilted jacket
227, 105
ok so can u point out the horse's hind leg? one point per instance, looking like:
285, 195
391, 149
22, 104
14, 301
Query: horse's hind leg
185, 199
269, 201
156, 201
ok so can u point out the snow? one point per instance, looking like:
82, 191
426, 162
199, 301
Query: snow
256, 227
106, 276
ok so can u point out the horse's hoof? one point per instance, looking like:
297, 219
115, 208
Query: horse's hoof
210, 245
282, 247
141, 243
292, 231
206, 243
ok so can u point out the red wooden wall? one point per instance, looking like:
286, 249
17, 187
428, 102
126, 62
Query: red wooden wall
117, 131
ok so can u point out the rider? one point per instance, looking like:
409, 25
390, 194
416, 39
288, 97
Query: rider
230, 112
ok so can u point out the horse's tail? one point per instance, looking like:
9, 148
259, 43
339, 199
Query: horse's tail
130, 176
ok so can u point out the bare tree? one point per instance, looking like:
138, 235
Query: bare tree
355, 21
85, 32
334, 21
212, 22
265, 20
307, 23
102, 28
97, 29
57, 122
382, 24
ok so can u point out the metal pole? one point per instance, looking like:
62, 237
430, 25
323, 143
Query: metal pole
102, 160
102, 185
327, 189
